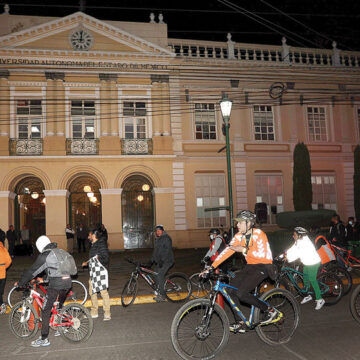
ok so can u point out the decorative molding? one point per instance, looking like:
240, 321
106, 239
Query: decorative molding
56, 193
115, 191
7, 194
108, 76
267, 147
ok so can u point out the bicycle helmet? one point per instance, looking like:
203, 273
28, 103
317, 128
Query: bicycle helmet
42, 242
301, 231
214, 231
246, 215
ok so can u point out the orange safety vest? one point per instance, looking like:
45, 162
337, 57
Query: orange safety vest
325, 251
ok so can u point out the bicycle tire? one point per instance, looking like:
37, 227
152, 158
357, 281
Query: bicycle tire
78, 292
355, 304
82, 326
345, 277
24, 325
281, 331
15, 295
128, 295
200, 287
187, 321
335, 292
177, 287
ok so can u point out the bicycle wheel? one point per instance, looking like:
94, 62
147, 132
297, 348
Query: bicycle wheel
200, 287
281, 331
129, 292
75, 323
355, 304
78, 292
197, 333
345, 278
24, 320
177, 287
15, 295
331, 288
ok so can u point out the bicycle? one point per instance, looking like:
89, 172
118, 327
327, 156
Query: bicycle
73, 321
177, 286
355, 304
78, 292
342, 273
291, 279
200, 328
344, 256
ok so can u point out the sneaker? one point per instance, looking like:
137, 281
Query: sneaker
40, 342
270, 316
319, 304
159, 298
306, 299
57, 333
237, 327
107, 317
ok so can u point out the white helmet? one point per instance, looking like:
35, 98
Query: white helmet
41, 242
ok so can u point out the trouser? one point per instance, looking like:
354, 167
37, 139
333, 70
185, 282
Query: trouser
51, 296
11, 247
310, 273
247, 280
160, 277
95, 304
2, 287
81, 243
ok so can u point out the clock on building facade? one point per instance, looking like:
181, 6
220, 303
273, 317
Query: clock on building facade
81, 40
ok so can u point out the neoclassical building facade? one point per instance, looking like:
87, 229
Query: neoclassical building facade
113, 122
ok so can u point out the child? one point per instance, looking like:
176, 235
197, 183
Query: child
5, 261
305, 250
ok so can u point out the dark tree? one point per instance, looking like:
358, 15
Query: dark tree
357, 182
302, 190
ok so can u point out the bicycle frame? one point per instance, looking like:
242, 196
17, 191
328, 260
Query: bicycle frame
145, 274
338, 251
220, 287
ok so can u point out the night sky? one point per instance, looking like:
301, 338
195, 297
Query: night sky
324, 20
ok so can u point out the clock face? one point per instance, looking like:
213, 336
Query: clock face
81, 40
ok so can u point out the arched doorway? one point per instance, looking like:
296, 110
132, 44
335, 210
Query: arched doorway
84, 202
29, 207
137, 203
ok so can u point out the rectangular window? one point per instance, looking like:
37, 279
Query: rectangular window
317, 123
210, 192
263, 123
83, 119
205, 122
324, 191
269, 190
135, 120
29, 117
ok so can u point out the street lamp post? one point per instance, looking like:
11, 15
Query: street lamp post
225, 105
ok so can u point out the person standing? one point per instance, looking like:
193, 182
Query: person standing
81, 236
350, 236
25, 239
11, 236
337, 233
5, 261
70, 234
163, 258
99, 274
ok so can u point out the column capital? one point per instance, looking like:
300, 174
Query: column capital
155, 78
107, 76
115, 191
57, 193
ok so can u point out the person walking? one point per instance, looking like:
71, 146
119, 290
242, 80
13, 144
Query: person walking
81, 236
99, 274
163, 258
59, 266
11, 237
5, 262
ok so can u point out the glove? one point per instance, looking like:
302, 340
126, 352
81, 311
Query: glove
161, 263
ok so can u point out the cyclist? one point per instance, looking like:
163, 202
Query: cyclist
216, 247
305, 250
253, 243
58, 268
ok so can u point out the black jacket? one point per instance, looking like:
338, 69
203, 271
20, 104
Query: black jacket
100, 250
11, 236
338, 234
39, 266
163, 251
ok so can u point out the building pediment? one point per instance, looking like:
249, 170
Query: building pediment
83, 33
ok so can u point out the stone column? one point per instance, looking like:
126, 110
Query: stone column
7, 209
60, 108
56, 210
4, 113
114, 110
156, 108
111, 217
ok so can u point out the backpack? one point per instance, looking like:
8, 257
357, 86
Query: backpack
60, 263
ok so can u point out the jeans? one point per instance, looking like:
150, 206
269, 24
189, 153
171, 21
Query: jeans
160, 278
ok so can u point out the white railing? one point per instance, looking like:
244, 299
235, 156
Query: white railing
264, 53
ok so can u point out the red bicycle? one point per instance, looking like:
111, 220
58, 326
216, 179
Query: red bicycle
73, 321
345, 256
